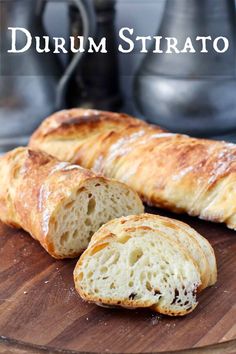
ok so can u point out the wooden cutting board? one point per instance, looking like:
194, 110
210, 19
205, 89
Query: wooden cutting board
39, 305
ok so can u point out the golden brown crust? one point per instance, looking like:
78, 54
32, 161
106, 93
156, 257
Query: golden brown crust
33, 186
82, 121
171, 171
28, 181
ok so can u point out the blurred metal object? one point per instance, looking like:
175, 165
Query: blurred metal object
96, 80
32, 85
192, 93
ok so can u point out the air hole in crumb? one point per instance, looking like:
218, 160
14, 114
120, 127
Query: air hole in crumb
132, 296
64, 237
135, 256
175, 299
91, 206
112, 286
97, 185
88, 222
104, 269
157, 292
124, 239
131, 283
148, 286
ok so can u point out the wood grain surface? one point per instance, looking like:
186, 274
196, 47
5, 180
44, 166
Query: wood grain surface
39, 305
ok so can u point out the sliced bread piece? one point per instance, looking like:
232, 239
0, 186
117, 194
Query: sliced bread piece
207, 249
59, 204
138, 267
196, 245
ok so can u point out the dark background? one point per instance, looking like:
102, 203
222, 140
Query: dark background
142, 15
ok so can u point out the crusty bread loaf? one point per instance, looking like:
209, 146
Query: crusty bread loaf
172, 171
178, 231
137, 261
59, 204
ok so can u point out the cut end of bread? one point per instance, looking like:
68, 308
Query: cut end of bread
138, 268
86, 210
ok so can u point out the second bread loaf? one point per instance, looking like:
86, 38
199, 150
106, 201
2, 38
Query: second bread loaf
171, 171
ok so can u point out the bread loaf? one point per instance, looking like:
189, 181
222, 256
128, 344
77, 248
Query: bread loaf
171, 171
59, 204
194, 244
142, 261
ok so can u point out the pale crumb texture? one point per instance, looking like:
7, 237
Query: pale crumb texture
87, 210
140, 264
195, 245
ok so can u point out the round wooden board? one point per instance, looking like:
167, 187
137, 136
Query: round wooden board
40, 310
